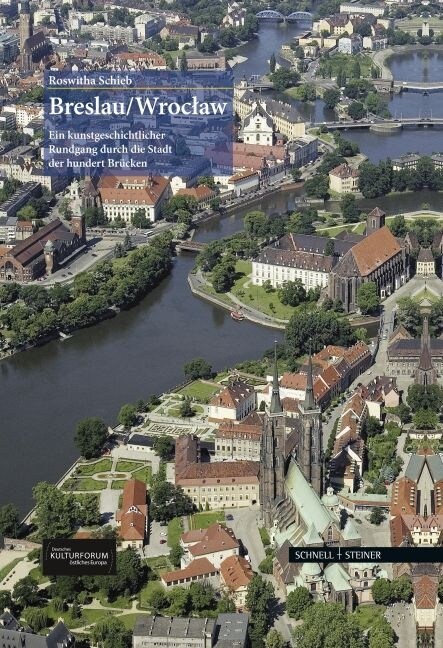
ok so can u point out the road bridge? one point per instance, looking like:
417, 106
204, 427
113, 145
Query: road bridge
276, 16
419, 122
189, 246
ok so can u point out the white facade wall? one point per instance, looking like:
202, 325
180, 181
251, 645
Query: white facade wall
277, 275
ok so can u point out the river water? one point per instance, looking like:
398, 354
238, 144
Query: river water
46, 391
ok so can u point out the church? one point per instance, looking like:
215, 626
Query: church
297, 511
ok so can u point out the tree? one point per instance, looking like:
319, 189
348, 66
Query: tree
409, 314
256, 223
274, 639
397, 225
372, 426
272, 63
292, 293
25, 592
36, 618
284, 78
197, 368
423, 398
179, 601
129, 578
318, 329
356, 110
402, 589
27, 213
326, 625
186, 410
169, 501
317, 186
140, 220
176, 554
89, 514
382, 591
203, 596
90, 436
259, 597
362, 334
297, 602
225, 605
183, 62
157, 599
164, 447
9, 520
6, 601
127, 415
331, 97
349, 208
425, 419
110, 632
55, 512
223, 277
376, 516
368, 300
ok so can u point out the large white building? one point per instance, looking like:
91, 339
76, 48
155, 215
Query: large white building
234, 403
280, 262
122, 196
258, 127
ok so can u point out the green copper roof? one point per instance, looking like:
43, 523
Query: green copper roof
350, 532
308, 503
337, 576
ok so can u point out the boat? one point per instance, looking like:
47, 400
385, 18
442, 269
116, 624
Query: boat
237, 316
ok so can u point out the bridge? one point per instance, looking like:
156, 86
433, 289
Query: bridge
420, 122
413, 86
295, 16
257, 82
189, 246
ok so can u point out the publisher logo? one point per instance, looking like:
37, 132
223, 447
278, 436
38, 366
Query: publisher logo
67, 557
375, 555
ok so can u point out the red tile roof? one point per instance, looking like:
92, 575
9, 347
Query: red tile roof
198, 567
216, 538
221, 470
236, 572
375, 250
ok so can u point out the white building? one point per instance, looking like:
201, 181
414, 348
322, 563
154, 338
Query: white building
216, 543
122, 196
280, 262
234, 402
356, 9
350, 44
258, 127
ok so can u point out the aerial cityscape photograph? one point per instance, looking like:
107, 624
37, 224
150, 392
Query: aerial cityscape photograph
221, 323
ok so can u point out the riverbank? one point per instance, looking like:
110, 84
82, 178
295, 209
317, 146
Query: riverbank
381, 58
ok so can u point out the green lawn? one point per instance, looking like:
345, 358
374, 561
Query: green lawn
360, 229
159, 564
175, 529
175, 411
121, 602
37, 575
130, 619
144, 473
199, 390
145, 593
91, 616
84, 484
335, 229
426, 294
125, 465
118, 484
103, 465
205, 519
340, 61
256, 296
9, 567
367, 615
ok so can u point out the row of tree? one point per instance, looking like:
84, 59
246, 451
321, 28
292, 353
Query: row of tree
380, 179
36, 314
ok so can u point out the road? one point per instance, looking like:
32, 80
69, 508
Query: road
401, 617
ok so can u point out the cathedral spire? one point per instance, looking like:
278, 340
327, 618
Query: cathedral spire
276, 407
425, 336
309, 402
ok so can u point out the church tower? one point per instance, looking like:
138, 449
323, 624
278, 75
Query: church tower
425, 373
24, 32
310, 457
272, 454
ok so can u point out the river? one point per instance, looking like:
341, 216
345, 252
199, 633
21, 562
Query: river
46, 391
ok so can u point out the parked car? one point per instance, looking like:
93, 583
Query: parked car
229, 517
